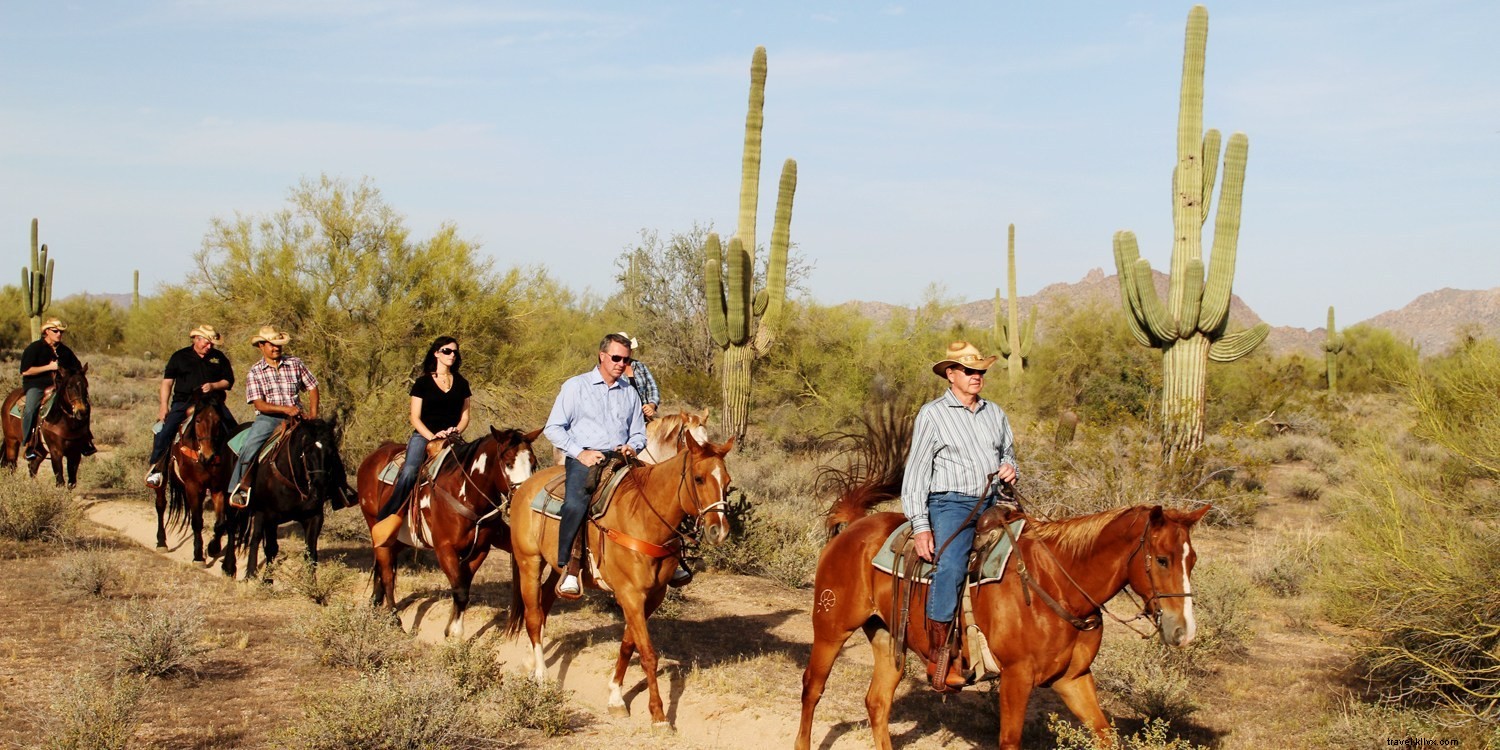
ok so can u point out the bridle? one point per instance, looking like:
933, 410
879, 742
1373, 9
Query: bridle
680, 539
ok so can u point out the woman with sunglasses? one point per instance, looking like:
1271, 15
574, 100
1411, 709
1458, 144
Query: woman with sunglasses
439, 409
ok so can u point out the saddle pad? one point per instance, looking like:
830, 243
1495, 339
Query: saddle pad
48, 396
550, 505
990, 569
237, 443
392, 468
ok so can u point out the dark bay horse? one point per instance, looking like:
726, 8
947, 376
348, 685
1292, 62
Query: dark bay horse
64, 429
198, 466
293, 483
1079, 562
459, 516
633, 548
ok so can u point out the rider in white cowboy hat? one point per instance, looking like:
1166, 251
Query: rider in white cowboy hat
960, 441
41, 359
272, 386
198, 368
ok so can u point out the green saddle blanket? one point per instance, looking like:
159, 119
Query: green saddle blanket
237, 443
392, 468
990, 569
48, 396
550, 505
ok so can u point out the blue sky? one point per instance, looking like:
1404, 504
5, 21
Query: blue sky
551, 133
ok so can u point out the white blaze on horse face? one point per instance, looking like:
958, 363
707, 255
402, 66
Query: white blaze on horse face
520, 468
718, 476
1190, 624
480, 464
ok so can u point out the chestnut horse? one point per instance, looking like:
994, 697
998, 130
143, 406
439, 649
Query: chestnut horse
460, 515
664, 434
64, 428
1078, 562
198, 466
633, 551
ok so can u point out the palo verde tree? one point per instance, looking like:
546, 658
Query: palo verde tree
744, 323
1193, 326
1014, 339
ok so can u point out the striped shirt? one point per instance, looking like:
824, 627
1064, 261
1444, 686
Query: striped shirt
645, 383
953, 450
279, 385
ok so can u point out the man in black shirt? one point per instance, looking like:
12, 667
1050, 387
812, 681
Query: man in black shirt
199, 368
41, 359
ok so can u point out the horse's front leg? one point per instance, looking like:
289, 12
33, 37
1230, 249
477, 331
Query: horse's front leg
252, 543
633, 604
161, 515
458, 586
194, 497
530, 584
617, 705
73, 460
1016, 682
1081, 696
312, 528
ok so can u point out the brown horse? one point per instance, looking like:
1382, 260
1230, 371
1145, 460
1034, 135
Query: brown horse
198, 466
1079, 563
664, 434
460, 515
64, 429
633, 548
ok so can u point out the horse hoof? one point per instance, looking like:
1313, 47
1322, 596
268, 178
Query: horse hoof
619, 712
213, 548
161, 545
662, 726
197, 558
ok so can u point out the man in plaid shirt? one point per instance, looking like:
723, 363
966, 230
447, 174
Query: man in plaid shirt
272, 387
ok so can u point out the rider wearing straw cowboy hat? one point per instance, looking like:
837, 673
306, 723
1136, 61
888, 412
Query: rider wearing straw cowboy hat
960, 441
272, 387
199, 368
39, 361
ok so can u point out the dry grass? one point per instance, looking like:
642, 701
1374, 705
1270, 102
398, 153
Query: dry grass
90, 711
90, 570
1284, 565
157, 638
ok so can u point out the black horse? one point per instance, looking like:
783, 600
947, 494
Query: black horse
302, 474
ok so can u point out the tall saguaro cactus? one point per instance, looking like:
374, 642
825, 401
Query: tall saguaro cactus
744, 323
135, 290
1013, 338
1332, 347
36, 285
1192, 328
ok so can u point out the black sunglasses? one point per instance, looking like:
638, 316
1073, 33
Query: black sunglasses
447, 350
971, 371
620, 358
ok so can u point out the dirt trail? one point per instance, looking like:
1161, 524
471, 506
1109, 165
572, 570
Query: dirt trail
584, 661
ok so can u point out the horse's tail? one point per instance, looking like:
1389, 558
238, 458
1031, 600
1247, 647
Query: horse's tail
177, 516
517, 614
876, 464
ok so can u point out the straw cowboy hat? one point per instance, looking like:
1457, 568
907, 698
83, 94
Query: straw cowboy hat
206, 331
963, 354
270, 336
633, 344
54, 323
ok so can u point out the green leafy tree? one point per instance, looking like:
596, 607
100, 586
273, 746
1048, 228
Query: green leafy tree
1088, 364
95, 325
1373, 360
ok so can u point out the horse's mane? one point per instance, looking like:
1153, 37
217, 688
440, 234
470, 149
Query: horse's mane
1076, 536
876, 464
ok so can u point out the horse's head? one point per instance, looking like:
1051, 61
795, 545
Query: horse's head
204, 429
1160, 572
708, 480
514, 457
317, 442
73, 387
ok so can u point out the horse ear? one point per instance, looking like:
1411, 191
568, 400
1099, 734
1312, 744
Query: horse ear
85, 368
727, 446
533, 435
691, 442
1156, 514
1192, 517
705, 415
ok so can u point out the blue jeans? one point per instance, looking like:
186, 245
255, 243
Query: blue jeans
575, 507
173, 421
946, 511
416, 452
29, 413
255, 436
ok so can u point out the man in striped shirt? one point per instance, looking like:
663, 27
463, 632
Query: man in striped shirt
272, 387
959, 443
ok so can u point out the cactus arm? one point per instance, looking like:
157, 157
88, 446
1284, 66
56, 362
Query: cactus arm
781, 234
750, 160
1235, 345
1216, 294
26, 292
762, 298
713, 287
1192, 297
1002, 332
1153, 314
1027, 329
738, 300
46, 285
1125, 256
1210, 169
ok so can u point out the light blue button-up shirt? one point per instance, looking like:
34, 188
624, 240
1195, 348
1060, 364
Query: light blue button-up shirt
590, 415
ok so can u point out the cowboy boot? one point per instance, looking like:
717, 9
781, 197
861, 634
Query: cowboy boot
943, 672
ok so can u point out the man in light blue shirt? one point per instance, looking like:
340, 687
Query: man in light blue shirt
595, 412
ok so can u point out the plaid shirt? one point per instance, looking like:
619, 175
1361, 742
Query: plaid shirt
278, 386
645, 384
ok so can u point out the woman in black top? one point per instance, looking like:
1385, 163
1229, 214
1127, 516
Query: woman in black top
439, 409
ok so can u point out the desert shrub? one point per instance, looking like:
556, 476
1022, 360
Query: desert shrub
1155, 735
347, 525
1147, 678
1221, 591
95, 325
1373, 360
1284, 566
93, 712
1088, 362
90, 571
354, 635
1293, 447
1258, 384
37, 509
1305, 487
775, 541
472, 664
1354, 721
297, 576
156, 638
408, 709
521, 703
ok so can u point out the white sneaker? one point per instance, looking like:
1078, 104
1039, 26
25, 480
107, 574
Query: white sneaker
153, 480
570, 586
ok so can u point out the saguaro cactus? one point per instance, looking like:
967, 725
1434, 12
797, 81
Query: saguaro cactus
36, 285
1013, 338
135, 290
741, 322
1332, 347
1191, 328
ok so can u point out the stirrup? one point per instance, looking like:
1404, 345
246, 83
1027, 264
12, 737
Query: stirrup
240, 498
570, 592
